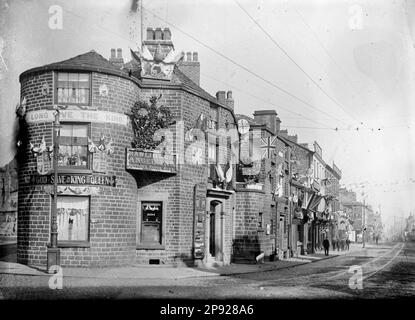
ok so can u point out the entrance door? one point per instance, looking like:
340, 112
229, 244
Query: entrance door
212, 244
216, 230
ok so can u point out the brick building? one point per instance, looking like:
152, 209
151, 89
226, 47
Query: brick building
118, 202
262, 217
8, 202
301, 192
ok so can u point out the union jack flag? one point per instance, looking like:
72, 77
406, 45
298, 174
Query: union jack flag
268, 146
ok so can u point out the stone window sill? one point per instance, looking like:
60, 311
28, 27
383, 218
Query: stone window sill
74, 244
150, 247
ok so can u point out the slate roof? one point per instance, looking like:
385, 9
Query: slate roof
86, 61
93, 61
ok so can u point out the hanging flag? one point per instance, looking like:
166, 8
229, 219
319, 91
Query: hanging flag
219, 171
268, 146
229, 174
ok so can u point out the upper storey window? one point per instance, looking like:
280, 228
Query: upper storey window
212, 121
73, 146
73, 88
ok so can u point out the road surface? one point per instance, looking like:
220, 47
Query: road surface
384, 271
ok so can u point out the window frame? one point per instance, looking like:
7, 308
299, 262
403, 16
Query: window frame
143, 223
151, 197
75, 243
80, 169
212, 140
56, 88
260, 221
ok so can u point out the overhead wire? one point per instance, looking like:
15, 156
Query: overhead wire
239, 65
293, 61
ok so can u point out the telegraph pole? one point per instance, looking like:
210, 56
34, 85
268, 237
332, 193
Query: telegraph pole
142, 25
53, 252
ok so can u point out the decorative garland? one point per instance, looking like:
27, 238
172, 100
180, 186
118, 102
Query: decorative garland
147, 119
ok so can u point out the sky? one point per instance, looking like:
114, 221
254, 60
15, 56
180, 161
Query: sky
321, 65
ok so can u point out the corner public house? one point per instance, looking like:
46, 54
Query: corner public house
193, 197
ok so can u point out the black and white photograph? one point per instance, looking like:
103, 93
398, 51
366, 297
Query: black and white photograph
221, 152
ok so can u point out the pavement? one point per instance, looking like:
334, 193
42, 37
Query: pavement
171, 272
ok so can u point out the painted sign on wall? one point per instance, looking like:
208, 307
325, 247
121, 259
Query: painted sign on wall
78, 179
150, 161
77, 116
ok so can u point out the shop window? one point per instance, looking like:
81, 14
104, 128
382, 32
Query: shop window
73, 88
151, 223
73, 219
73, 146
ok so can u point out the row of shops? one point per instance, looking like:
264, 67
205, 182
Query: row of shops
151, 169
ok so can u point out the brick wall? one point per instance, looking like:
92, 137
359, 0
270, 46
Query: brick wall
114, 212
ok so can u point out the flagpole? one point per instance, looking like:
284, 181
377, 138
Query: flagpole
142, 25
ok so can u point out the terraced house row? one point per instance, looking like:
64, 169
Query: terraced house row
152, 169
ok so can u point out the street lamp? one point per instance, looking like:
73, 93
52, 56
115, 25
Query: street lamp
53, 254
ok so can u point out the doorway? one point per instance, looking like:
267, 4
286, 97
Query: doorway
212, 244
215, 233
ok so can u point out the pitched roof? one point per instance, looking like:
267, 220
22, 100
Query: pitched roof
91, 61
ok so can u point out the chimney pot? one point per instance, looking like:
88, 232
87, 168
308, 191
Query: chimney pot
188, 56
150, 33
112, 53
166, 34
195, 56
119, 53
277, 125
220, 95
158, 34
229, 100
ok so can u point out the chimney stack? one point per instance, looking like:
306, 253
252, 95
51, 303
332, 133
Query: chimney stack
116, 58
267, 117
220, 96
229, 100
277, 125
159, 37
191, 67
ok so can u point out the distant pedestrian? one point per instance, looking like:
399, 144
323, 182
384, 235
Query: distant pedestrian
347, 243
333, 242
326, 245
377, 239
